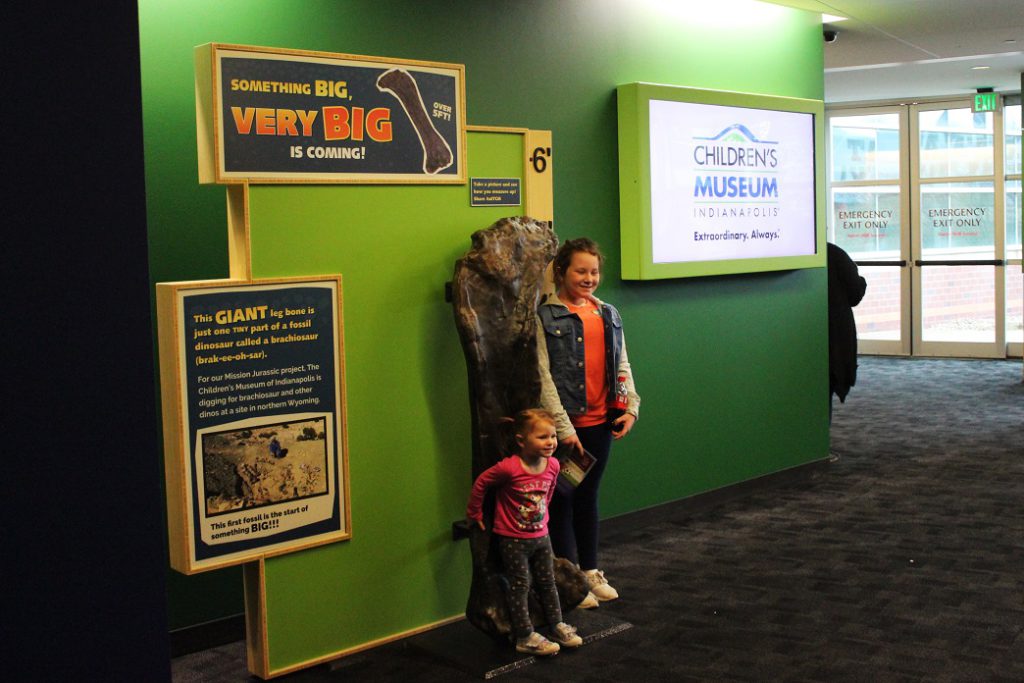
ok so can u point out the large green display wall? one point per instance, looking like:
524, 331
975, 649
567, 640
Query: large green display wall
732, 370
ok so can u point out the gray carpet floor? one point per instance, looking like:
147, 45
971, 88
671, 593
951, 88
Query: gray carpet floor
903, 560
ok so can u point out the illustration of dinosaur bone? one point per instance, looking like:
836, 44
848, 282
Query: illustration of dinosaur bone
437, 155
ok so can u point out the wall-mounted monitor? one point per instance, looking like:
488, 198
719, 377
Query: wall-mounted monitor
714, 182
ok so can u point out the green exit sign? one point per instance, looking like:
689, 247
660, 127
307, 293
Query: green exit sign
985, 101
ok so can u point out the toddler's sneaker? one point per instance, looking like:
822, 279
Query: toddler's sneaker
589, 602
599, 587
564, 634
536, 644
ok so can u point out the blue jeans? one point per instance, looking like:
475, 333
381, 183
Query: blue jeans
573, 524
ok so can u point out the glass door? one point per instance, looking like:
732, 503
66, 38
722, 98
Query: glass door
957, 252
927, 200
869, 218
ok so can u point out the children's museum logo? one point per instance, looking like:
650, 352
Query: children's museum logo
735, 150
737, 132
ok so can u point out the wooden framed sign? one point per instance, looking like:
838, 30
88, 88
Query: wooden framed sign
255, 445
269, 115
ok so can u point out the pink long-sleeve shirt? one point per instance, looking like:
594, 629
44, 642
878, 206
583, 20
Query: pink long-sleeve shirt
522, 498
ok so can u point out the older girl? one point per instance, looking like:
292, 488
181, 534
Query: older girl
587, 384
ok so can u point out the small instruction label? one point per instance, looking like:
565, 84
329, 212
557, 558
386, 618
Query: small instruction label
495, 192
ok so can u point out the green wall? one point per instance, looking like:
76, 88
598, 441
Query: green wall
408, 433
732, 370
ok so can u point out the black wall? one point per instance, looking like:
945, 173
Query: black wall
84, 549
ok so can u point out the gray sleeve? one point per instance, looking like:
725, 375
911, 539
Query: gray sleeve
633, 399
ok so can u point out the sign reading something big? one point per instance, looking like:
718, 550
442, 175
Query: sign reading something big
270, 115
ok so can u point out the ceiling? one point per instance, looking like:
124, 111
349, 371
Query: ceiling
915, 49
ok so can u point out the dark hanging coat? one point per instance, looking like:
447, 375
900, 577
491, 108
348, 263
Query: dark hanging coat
845, 290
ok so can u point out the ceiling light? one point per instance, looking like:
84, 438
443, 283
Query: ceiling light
831, 18
980, 68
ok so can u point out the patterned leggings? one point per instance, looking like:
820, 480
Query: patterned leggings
523, 557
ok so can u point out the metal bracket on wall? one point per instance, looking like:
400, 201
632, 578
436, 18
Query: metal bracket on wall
460, 530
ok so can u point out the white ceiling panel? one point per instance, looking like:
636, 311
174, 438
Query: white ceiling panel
895, 49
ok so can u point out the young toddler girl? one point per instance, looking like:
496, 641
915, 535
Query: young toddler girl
524, 484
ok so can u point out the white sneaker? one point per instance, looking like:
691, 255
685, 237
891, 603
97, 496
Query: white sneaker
589, 602
565, 635
536, 644
599, 587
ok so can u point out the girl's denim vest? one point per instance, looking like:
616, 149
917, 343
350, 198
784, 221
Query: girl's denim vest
563, 331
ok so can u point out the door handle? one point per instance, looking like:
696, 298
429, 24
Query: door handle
901, 264
991, 262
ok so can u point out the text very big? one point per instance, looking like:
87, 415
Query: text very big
339, 123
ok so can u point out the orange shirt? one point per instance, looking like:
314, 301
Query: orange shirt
594, 359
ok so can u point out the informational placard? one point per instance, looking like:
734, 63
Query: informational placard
495, 192
254, 427
271, 115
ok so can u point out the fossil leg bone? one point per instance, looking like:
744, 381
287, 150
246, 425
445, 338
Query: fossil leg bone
437, 155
